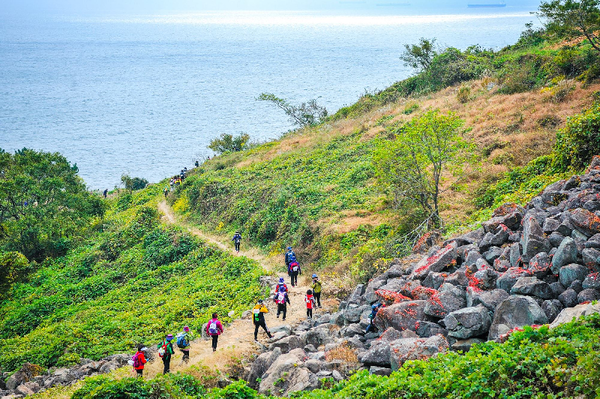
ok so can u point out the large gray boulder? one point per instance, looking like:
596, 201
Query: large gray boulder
489, 299
448, 299
569, 314
540, 265
377, 355
468, 322
532, 286
592, 281
566, 253
510, 277
287, 344
260, 366
533, 239
436, 263
570, 273
401, 316
516, 311
406, 349
288, 374
585, 221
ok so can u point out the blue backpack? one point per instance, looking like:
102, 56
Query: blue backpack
182, 340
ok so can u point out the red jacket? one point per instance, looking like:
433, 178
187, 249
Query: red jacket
310, 302
219, 327
142, 360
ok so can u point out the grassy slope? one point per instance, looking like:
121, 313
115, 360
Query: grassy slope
315, 188
132, 282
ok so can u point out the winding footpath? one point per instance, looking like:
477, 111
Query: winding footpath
238, 338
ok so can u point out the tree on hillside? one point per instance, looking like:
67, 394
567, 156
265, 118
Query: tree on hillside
229, 143
573, 18
303, 115
425, 151
419, 56
133, 183
44, 204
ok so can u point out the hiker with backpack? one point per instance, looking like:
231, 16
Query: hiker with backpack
281, 298
184, 340
310, 304
214, 328
374, 309
165, 351
292, 265
316, 288
258, 317
138, 360
237, 238
281, 285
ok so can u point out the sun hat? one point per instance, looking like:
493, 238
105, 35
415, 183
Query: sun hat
186, 329
281, 280
314, 276
169, 337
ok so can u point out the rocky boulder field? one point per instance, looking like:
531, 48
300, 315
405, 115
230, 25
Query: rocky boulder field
525, 266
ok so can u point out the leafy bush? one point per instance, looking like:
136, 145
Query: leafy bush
579, 141
45, 205
133, 183
229, 143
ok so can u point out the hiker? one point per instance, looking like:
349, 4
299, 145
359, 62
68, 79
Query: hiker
237, 237
214, 328
138, 360
184, 340
258, 316
281, 285
166, 191
165, 351
374, 309
281, 298
105, 192
197, 163
316, 288
310, 303
290, 256
293, 271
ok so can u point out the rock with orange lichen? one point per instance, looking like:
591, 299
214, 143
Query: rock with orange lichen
401, 316
585, 221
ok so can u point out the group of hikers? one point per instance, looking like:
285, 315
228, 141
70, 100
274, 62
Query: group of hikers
214, 327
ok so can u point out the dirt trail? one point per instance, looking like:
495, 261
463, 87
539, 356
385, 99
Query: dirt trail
238, 338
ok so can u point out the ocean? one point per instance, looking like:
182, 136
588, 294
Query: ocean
144, 94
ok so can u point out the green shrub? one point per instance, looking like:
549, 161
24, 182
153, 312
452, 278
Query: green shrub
579, 141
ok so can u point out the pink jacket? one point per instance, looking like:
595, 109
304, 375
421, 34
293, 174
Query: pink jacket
219, 326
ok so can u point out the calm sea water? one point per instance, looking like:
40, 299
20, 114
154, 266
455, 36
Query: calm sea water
144, 95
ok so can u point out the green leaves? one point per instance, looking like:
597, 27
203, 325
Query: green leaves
573, 18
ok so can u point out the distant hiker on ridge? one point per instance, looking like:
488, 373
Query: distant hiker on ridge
237, 238
293, 266
214, 328
165, 351
258, 317
105, 192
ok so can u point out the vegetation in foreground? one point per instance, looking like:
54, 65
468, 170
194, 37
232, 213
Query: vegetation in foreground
535, 363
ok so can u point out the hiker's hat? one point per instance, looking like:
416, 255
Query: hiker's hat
281, 279
314, 276
186, 328
260, 301
289, 247
169, 337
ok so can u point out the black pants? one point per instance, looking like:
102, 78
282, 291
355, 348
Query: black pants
309, 313
262, 324
281, 308
186, 355
167, 363
318, 298
215, 341
237, 246
140, 372
294, 277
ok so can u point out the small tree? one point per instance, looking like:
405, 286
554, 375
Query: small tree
133, 183
424, 151
229, 143
573, 18
306, 114
419, 56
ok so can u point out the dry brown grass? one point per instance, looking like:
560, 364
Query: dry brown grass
343, 353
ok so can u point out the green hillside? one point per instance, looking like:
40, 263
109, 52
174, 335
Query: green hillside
131, 281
